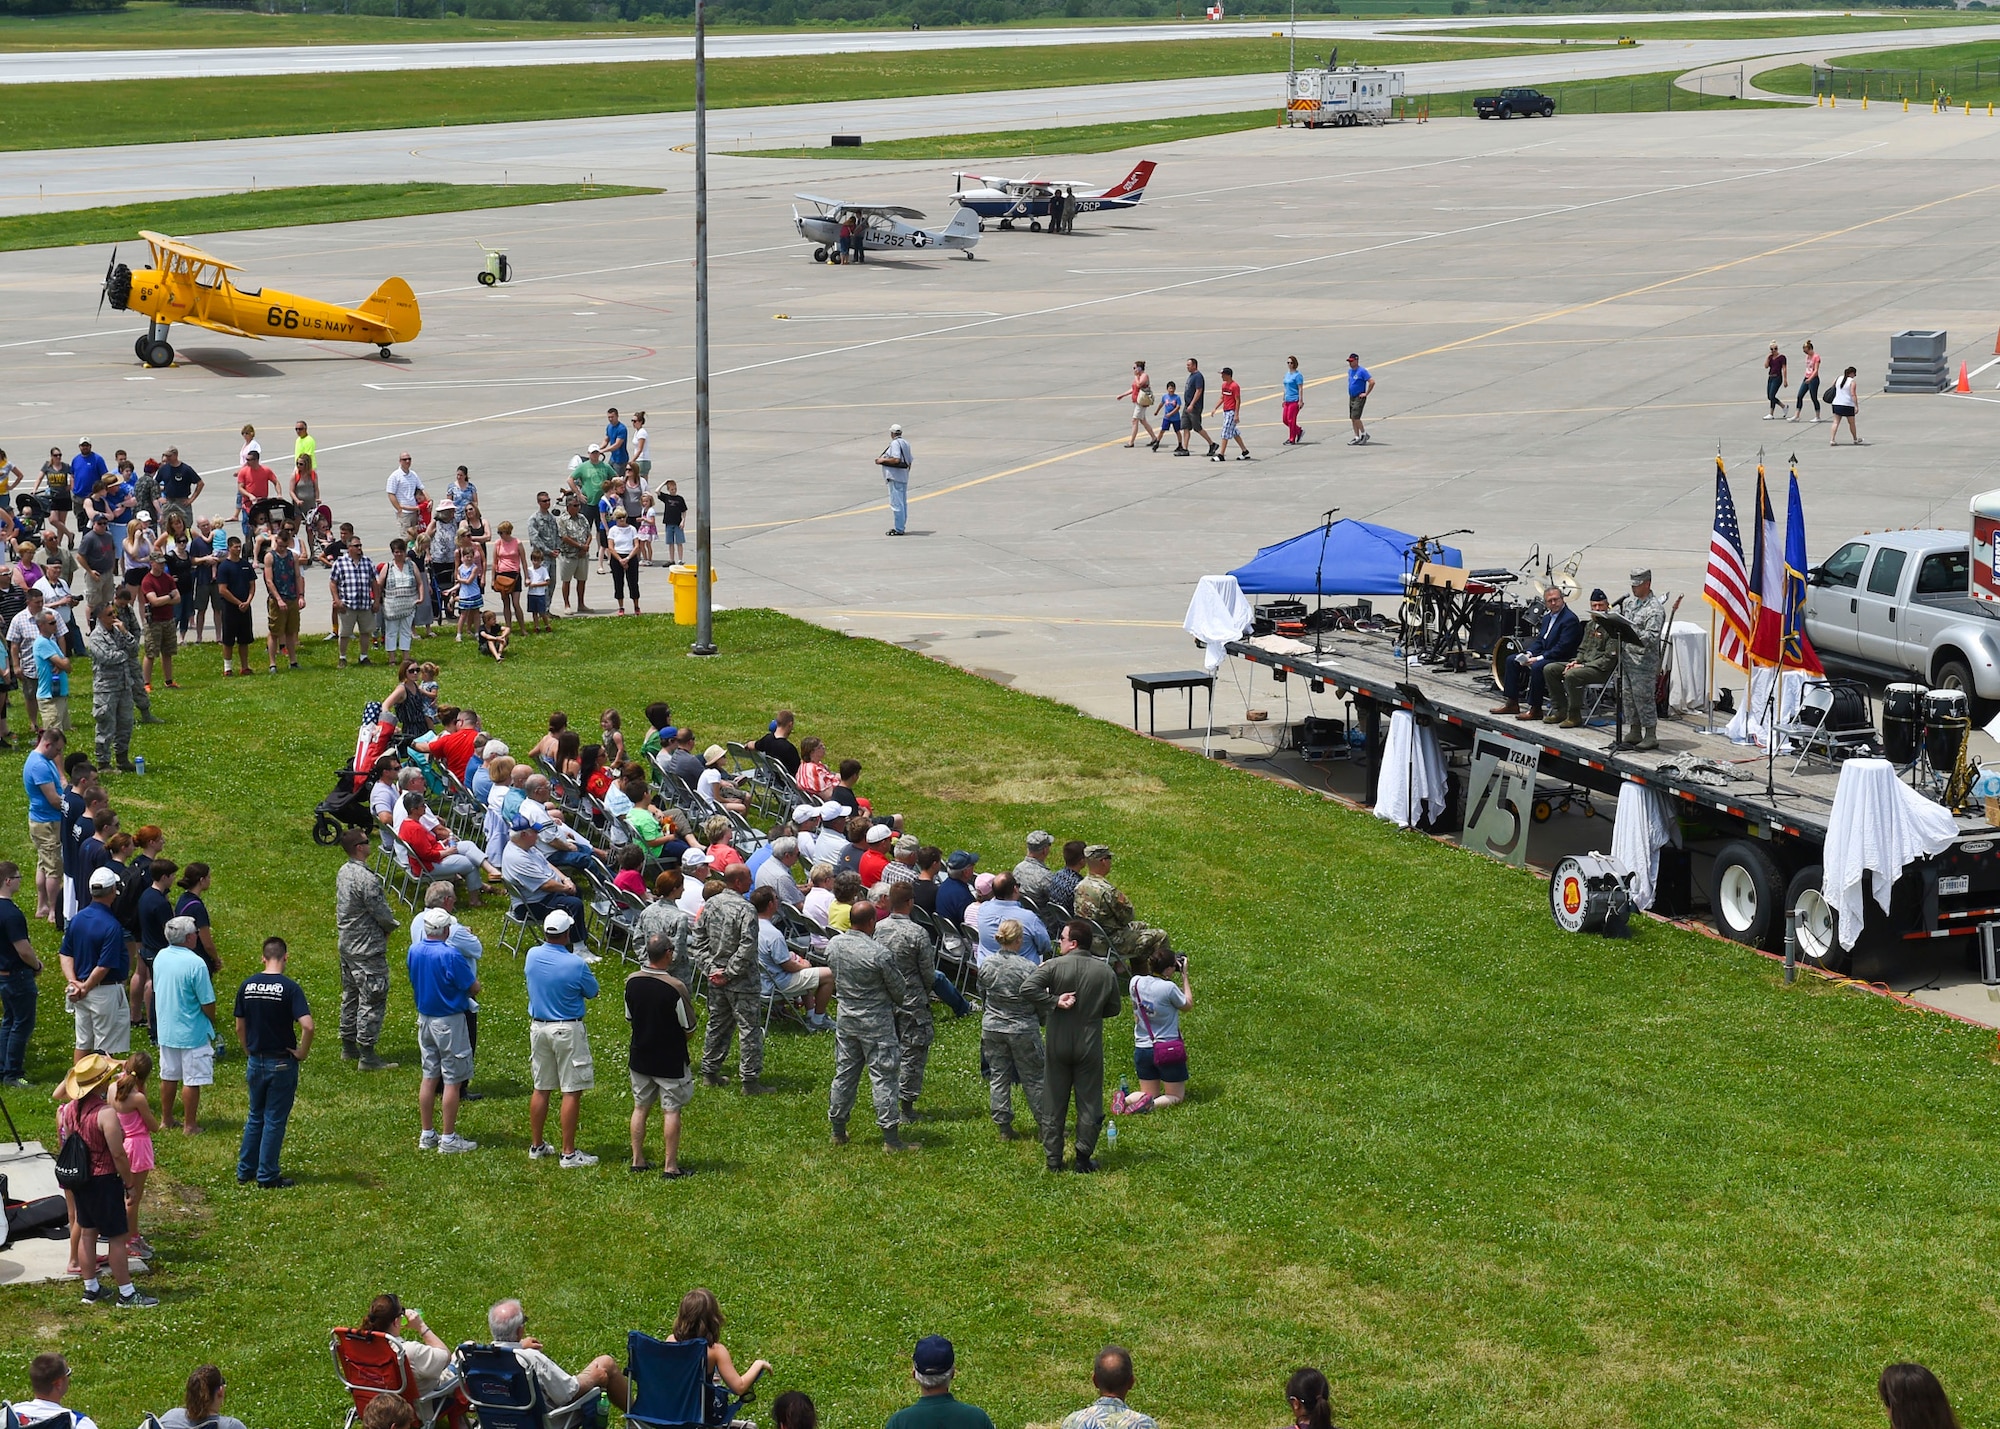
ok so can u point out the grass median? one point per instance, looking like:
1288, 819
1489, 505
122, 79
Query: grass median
1759, 27
1482, 1172
58, 116
284, 208
1965, 73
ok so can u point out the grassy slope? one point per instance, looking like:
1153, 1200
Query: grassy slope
159, 111
1949, 67
1485, 1174
1758, 28
283, 208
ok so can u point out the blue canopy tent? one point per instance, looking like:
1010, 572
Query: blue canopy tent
1360, 558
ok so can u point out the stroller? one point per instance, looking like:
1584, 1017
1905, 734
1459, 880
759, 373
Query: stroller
345, 807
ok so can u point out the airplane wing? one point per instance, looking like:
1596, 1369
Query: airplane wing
185, 250
846, 205
214, 326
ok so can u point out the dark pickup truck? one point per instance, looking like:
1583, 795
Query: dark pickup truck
1511, 102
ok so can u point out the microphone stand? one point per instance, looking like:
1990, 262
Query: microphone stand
1319, 584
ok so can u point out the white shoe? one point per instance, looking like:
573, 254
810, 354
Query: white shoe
541, 1151
428, 1141
1770, 416
574, 1159
450, 1145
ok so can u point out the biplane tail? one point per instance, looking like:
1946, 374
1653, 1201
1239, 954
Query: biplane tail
394, 307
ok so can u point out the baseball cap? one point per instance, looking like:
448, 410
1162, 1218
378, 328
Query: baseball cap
880, 833
494, 749
438, 921
1041, 838
833, 809
983, 885
803, 812
558, 922
934, 1355
103, 879
895, 429
521, 824
907, 843
694, 858
960, 860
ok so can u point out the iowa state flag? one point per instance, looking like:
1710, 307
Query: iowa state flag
1779, 605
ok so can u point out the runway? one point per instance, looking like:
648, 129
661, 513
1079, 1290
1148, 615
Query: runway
640, 148
99, 65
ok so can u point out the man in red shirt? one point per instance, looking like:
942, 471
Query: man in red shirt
875, 857
254, 482
430, 858
1232, 403
160, 591
455, 749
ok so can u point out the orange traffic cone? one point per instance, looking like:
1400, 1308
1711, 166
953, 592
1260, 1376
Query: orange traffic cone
1964, 379
1996, 346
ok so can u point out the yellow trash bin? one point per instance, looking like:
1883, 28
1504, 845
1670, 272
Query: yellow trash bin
683, 581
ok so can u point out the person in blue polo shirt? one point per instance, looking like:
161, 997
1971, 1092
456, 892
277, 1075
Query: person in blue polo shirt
560, 985
95, 966
1360, 383
444, 985
954, 895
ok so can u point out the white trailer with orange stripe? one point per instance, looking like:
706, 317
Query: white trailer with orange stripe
1341, 95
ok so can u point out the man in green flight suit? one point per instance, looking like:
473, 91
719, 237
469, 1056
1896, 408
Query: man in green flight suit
1085, 992
1596, 661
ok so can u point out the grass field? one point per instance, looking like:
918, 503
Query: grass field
1761, 27
1631, 94
283, 208
161, 111
1485, 1174
1965, 72
1075, 139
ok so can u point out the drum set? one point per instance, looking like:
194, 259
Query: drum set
1927, 732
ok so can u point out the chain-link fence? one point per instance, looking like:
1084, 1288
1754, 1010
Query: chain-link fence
1977, 82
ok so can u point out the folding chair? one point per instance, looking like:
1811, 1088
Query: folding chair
955, 948
10, 1419
514, 925
1821, 727
505, 1395
371, 1363
617, 917
674, 1388
398, 877
461, 811
1597, 697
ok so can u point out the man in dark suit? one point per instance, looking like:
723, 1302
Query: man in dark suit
1085, 991
1554, 645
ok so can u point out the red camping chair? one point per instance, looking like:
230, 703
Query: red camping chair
369, 1363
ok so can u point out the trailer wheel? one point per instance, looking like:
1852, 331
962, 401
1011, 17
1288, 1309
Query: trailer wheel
1817, 922
1543, 811
1746, 895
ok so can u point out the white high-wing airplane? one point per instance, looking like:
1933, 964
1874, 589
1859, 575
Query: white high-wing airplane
992, 196
879, 226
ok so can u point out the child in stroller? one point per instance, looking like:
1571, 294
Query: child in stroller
345, 808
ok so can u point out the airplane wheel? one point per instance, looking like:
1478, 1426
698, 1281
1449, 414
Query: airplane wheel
819, 255
139, 347
487, 280
1035, 226
382, 351
1006, 225
159, 354
969, 255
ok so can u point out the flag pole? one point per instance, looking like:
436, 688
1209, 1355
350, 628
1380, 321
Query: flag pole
1712, 634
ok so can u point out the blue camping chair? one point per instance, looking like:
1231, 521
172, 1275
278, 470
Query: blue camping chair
506, 1396
673, 1387
64, 1420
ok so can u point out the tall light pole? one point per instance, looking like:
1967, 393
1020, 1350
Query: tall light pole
704, 611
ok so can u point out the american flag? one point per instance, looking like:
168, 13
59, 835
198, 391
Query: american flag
1728, 585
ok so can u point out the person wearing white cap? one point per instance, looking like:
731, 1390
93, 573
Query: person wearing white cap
444, 985
720, 791
805, 817
694, 869
95, 966
895, 464
560, 985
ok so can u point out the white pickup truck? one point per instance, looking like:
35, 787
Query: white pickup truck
1898, 605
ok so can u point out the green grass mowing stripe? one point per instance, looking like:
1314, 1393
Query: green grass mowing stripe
1078, 139
283, 208
167, 110
1482, 1172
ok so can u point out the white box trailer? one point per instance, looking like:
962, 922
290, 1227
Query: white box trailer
1341, 95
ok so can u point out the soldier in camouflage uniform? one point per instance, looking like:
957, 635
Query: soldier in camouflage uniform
1099, 900
364, 920
870, 990
662, 918
1032, 874
1596, 662
1648, 614
725, 951
916, 960
116, 687
1010, 1033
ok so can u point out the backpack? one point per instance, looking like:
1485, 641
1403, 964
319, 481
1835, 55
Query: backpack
73, 1158
125, 907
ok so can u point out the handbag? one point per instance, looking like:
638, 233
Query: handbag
1170, 1050
1145, 397
506, 582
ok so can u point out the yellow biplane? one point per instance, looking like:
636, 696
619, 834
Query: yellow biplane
186, 285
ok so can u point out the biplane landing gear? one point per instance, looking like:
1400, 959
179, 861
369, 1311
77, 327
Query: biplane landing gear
382, 351
160, 354
152, 348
